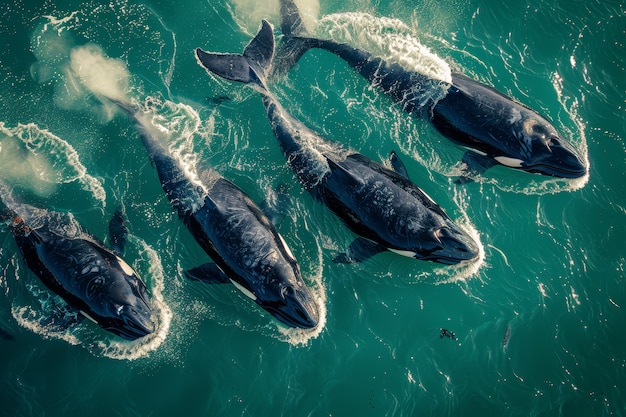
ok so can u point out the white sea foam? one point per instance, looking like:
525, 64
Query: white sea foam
248, 13
59, 24
175, 125
180, 129
70, 69
30, 152
387, 38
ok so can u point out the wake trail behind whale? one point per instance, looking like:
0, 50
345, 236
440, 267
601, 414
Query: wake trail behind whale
36, 158
386, 38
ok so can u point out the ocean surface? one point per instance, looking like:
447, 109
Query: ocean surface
539, 318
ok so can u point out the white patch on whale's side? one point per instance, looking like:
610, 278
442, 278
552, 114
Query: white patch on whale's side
406, 253
88, 316
125, 267
509, 162
286, 247
244, 290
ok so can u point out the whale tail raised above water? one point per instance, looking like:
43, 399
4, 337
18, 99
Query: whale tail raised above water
251, 67
296, 41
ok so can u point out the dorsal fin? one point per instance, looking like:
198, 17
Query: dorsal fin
398, 165
117, 232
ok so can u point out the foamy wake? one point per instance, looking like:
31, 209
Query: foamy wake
41, 159
182, 131
387, 38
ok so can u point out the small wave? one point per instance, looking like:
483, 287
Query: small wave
38, 315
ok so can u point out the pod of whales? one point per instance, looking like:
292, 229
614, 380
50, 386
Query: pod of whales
247, 249
382, 206
495, 129
91, 278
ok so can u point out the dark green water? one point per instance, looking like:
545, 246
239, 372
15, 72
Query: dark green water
539, 318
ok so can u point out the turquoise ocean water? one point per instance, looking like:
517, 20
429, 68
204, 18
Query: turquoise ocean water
539, 318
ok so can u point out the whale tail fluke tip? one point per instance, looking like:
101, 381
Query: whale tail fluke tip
250, 67
290, 20
296, 41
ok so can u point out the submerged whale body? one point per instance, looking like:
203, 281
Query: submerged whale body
247, 249
91, 278
380, 205
495, 129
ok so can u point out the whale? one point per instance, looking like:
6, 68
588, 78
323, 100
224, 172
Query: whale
380, 205
495, 129
245, 247
92, 279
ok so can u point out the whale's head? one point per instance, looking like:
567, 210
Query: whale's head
137, 321
452, 246
543, 150
292, 305
421, 229
447, 244
485, 120
284, 295
442, 242
554, 156
123, 299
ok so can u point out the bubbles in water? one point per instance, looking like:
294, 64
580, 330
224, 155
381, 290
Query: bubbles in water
179, 128
248, 13
57, 61
84, 70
